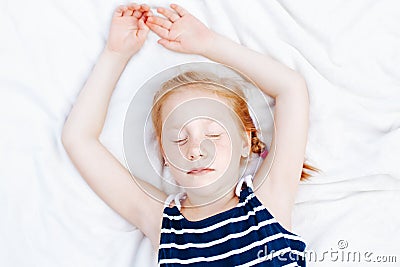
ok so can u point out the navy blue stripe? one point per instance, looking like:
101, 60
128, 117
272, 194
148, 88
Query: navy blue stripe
283, 240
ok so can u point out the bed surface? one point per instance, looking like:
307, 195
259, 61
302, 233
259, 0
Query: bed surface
348, 52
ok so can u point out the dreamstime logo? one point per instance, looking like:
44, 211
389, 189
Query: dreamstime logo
342, 244
342, 254
339, 254
283, 255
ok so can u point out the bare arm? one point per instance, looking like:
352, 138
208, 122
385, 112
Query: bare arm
101, 170
181, 32
86, 119
277, 179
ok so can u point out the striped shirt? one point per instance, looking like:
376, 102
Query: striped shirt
246, 235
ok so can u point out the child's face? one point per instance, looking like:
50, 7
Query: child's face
202, 142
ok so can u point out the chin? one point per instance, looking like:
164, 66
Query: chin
204, 180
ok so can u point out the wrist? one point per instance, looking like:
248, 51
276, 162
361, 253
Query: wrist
210, 44
115, 56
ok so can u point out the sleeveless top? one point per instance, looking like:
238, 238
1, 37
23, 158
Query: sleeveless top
246, 235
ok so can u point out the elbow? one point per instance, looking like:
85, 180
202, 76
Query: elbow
66, 140
70, 140
66, 134
296, 88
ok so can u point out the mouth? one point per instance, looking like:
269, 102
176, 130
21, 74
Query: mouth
200, 171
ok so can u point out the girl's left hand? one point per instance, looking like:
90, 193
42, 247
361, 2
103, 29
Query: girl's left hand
128, 30
180, 31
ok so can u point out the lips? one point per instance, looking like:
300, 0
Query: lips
200, 171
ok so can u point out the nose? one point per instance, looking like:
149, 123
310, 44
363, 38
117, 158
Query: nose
194, 151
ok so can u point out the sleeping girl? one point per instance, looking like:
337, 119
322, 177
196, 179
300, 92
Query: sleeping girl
205, 134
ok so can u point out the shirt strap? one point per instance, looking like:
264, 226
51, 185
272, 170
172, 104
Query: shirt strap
248, 179
176, 198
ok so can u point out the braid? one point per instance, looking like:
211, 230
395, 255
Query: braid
257, 146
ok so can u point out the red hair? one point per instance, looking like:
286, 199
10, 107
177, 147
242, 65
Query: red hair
234, 95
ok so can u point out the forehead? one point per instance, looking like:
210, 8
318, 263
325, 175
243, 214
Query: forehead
181, 95
186, 105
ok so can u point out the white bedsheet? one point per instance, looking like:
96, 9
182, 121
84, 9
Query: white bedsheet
348, 52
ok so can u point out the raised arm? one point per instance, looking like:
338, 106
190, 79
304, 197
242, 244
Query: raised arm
182, 32
102, 171
278, 177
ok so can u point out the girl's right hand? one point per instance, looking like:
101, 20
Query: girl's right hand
180, 31
128, 30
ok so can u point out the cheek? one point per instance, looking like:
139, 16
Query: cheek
225, 149
224, 146
177, 175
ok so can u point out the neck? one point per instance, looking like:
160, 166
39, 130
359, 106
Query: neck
216, 201
215, 197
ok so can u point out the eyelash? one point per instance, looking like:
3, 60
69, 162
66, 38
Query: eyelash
209, 135
214, 135
179, 141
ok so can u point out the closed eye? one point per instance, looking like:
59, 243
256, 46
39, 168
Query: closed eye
181, 141
214, 135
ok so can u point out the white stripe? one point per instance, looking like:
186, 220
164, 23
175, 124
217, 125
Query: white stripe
218, 241
293, 264
232, 252
292, 235
173, 217
230, 236
247, 199
212, 227
179, 217
220, 224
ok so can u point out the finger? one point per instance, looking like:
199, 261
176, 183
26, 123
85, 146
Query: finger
134, 6
143, 29
160, 22
171, 15
119, 11
148, 13
137, 14
146, 16
171, 45
135, 10
144, 7
142, 25
127, 12
181, 11
160, 31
